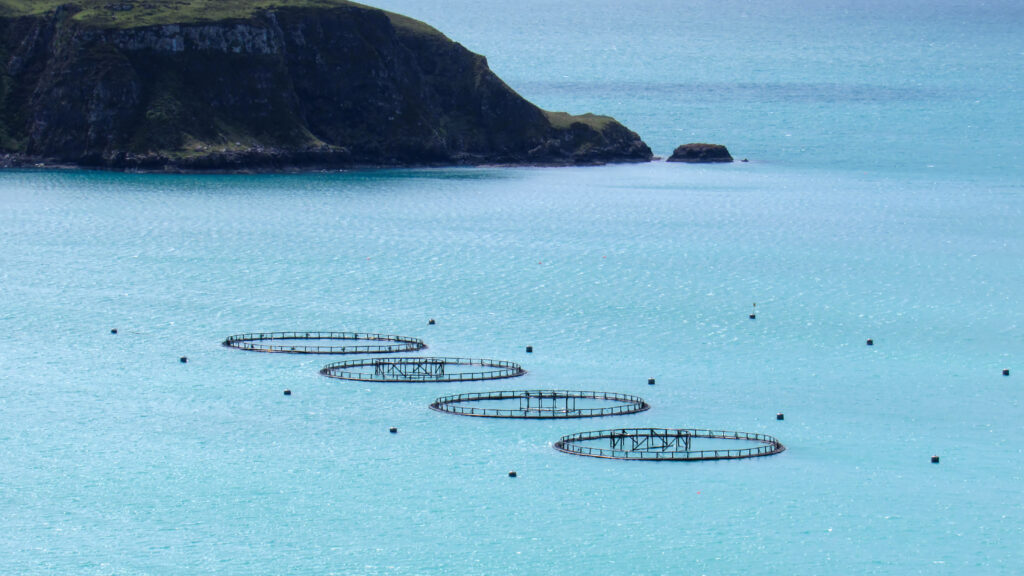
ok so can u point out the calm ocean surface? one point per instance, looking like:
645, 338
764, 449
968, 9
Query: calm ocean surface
884, 199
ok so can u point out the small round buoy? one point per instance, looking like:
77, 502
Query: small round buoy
870, 342
393, 430
512, 474
650, 381
184, 359
780, 416
113, 330
431, 322
1006, 371
287, 392
744, 160
935, 459
529, 349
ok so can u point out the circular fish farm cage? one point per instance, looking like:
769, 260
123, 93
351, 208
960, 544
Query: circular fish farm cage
669, 444
540, 404
422, 369
324, 343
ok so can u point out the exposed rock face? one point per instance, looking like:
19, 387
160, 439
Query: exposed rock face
698, 152
331, 86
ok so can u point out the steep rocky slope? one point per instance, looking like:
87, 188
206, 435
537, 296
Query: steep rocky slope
301, 84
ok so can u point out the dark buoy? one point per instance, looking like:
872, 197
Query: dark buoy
287, 392
393, 430
113, 330
184, 359
935, 459
1006, 371
753, 316
512, 474
780, 416
529, 349
650, 381
753, 313
431, 322
870, 342
744, 160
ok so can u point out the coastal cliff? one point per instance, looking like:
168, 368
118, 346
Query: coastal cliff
308, 83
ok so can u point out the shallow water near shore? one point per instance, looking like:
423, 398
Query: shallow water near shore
120, 459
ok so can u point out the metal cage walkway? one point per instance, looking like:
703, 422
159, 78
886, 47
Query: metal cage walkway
665, 444
269, 342
421, 369
540, 404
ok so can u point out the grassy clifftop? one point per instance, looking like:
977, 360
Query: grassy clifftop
135, 13
138, 13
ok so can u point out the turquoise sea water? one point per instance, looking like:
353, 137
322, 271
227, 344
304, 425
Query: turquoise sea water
883, 199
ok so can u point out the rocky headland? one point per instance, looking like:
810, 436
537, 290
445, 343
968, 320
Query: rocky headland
161, 85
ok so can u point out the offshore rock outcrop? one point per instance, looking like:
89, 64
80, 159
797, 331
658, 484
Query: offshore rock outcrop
325, 86
700, 153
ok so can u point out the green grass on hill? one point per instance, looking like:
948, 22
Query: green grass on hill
563, 120
156, 12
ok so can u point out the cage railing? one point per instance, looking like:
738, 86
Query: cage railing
264, 342
571, 444
453, 404
345, 370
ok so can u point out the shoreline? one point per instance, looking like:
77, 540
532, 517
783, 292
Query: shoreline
33, 164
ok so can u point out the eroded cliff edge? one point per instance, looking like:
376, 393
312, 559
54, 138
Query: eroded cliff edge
330, 85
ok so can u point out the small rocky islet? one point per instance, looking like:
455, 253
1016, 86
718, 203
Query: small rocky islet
699, 152
257, 85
